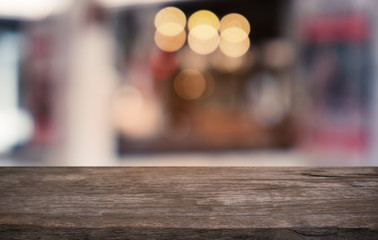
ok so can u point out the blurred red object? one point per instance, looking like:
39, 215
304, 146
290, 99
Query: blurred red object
163, 64
322, 29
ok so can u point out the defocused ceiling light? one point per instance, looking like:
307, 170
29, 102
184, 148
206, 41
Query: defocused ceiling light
203, 39
170, 21
234, 29
170, 43
203, 17
31, 10
203, 28
234, 20
234, 35
170, 32
234, 42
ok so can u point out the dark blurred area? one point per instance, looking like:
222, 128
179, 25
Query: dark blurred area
117, 82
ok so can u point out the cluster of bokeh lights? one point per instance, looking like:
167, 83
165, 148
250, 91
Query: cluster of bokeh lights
223, 44
205, 32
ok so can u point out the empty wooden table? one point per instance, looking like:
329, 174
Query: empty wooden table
189, 203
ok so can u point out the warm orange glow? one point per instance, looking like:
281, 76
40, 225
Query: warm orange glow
234, 20
210, 85
203, 17
134, 115
203, 39
190, 84
170, 43
170, 21
234, 42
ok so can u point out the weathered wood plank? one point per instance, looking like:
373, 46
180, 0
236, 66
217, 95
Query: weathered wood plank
189, 203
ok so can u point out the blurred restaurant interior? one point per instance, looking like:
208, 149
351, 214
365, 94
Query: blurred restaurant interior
189, 83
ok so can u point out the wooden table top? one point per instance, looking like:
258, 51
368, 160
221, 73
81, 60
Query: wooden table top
189, 203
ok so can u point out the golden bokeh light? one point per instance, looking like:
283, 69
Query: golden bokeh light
234, 20
234, 35
170, 29
234, 50
234, 42
203, 17
170, 21
189, 84
203, 39
170, 43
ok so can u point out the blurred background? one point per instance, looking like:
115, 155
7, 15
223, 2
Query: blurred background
94, 83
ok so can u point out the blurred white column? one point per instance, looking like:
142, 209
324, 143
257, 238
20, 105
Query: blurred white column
373, 153
88, 135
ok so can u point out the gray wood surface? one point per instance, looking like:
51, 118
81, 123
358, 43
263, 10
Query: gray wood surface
189, 203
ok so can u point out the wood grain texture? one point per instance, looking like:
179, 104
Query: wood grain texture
188, 203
